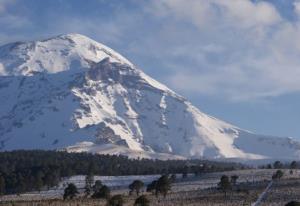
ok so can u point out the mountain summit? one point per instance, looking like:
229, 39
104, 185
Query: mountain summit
71, 92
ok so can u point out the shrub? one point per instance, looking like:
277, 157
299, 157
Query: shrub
103, 192
277, 175
142, 201
116, 200
293, 203
152, 186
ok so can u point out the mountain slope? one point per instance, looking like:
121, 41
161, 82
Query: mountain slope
75, 93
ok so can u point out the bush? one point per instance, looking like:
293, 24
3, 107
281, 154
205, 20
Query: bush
152, 186
103, 192
277, 175
116, 200
173, 178
293, 203
142, 201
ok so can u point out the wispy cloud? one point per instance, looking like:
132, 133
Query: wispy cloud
251, 51
239, 50
4, 4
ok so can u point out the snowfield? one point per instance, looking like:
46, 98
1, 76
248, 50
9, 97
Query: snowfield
71, 92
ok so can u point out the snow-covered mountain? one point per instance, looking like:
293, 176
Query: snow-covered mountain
72, 92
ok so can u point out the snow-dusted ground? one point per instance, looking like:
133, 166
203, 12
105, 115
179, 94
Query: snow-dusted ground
119, 184
262, 195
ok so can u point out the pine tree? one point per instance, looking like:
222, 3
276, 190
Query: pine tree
293, 165
2, 185
70, 191
89, 181
152, 186
293, 203
39, 180
97, 186
278, 175
225, 184
136, 186
234, 179
163, 185
173, 178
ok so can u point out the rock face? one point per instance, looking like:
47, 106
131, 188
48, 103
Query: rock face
72, 92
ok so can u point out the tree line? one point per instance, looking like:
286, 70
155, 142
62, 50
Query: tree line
34, 170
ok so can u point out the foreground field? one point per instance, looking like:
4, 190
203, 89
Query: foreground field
282, 192
201, 190
190, 198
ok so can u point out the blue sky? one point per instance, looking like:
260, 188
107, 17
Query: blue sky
236, 60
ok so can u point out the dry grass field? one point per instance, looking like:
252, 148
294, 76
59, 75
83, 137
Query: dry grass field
282, 192
185, 198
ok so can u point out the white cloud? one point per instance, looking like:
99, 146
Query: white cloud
237, 49
4, 4
297, 7
241, 13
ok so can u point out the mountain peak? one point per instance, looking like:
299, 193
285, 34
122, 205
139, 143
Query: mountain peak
64, 52
75, 37
110, 104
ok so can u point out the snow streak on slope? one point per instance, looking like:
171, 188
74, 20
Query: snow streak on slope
72, 92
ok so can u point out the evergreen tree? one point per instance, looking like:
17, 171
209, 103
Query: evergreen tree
136, 186
152, 186
89, 181
173, 178
70, 191
163, 185
97, 186
234, 179
185, 172
278, 175
293, 203
39, 180
293, 165
2, 185
21, 183
225, 184
26, 171
277, 165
